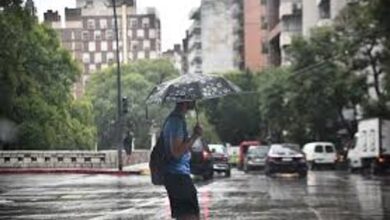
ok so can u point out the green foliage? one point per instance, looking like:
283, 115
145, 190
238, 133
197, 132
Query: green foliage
36, 78
235, 118
138, 79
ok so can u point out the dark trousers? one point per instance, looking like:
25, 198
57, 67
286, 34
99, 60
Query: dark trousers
182, 195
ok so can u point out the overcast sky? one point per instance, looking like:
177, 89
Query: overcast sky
173, 15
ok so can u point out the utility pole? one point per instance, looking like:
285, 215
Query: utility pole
119, 87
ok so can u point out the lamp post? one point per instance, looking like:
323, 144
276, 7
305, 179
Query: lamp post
119, 91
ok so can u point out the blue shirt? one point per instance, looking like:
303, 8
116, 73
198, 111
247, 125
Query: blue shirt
176, 127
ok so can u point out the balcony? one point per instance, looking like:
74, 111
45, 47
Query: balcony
289, 8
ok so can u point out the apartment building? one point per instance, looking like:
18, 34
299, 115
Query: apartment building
90, 35
175, 57
285, 21
319, 13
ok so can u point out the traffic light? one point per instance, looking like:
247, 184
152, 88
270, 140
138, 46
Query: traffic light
125, 105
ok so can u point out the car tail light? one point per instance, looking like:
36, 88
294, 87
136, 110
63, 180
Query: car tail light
205, 155
381, 159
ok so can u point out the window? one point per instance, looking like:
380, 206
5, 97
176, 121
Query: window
318, 149
329, 149
146, 44
134, 45
92, 68
104, 46
86, 58
140, 33
98, 57
264, 23
110, 57
133, 23
264, 48
141, 55
91, 24
91, 46
152, 33
109, 35
145, 22
103, 23
324, 9
85, 35
130, 33
98, 35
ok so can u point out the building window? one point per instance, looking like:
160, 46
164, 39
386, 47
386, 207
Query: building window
152, 55
85, 35
86, 58
98, 57
264, 48
91, 24
103, 23
130, 33
141, 55
113, 23
98, 35
133, 23
145, 22
92, 67
109, 34
134, 45
91, 46
264, 23
104, 46
146, 44
152, 33
140, 33
324, 9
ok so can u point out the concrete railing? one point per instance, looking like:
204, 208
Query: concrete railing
69, 159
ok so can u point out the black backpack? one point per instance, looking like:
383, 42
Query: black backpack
159, 159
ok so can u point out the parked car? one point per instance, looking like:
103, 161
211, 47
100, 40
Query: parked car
243, 150
233, 152
320, 154
201, 162
285, 158
255, 158
220, 159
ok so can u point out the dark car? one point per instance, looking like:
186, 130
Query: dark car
201, 162
285, 158
255, 158
220, 159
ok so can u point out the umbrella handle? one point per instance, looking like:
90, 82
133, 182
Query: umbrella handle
197, 115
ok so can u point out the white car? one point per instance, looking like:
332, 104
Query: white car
320, 154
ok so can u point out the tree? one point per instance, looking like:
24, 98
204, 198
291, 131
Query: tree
36, 78
235, 118
138, 79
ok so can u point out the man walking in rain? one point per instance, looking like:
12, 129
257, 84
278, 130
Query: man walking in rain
178, 183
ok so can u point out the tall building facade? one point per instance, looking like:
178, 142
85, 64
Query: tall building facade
175, 57
255, 23
194, 43
90, 35
285, 21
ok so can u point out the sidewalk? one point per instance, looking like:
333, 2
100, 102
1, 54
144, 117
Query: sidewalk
136, 169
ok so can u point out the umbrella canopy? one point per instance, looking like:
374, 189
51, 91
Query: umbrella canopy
190, 87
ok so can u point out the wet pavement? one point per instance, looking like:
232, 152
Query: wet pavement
322, 195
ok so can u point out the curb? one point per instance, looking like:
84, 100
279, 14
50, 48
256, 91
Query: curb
70, 171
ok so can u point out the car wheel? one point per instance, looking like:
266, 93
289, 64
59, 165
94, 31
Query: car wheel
208, 175
302, 174
227, 173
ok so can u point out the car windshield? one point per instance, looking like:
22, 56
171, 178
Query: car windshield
218, 148
285, 150
329, 149
258, 151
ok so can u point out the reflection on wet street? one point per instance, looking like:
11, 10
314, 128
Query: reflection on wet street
322, 195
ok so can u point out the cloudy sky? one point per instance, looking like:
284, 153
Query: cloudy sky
173, 15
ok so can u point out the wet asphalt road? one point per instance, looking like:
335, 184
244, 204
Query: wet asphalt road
322, 195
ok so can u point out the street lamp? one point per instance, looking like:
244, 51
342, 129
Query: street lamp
119, 91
